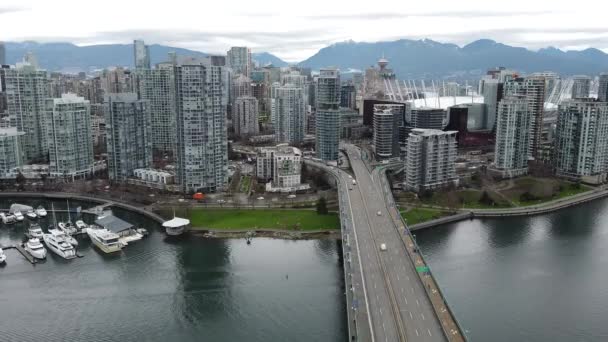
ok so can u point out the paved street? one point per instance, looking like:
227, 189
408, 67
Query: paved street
394, 296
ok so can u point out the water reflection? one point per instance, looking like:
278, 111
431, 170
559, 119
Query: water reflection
187, 289
528, 278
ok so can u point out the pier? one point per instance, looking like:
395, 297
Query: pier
21, 250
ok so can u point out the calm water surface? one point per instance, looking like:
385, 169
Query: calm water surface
541, 278
160, 289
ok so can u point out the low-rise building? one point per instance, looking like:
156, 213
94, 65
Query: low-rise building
151, 178
281, 168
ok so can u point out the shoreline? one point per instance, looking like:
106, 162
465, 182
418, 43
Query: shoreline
333, 234
536, 209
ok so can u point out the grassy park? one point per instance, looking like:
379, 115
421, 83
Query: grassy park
419, 215
518, 192
238, 219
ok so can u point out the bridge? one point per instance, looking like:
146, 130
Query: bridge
391, 294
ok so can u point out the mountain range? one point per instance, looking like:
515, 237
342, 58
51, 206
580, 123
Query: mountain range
410, 59
429, 59
68, 57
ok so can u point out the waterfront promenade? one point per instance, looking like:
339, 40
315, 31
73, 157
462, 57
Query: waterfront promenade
67, 196
536, 209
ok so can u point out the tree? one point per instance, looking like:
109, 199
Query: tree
322, 206
486, 199
20, 179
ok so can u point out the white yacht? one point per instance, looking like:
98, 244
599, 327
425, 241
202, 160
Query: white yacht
72, 240
176, 226
67, 227
34, 231
31, 214
80, 225
8, 218
2, 257
35, 248
104, 239
18, 215
55, 240
40, 211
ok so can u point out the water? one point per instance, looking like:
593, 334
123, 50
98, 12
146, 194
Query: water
541, 278
160, 289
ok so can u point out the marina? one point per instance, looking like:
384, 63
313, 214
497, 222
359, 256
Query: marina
61, 237
167, 289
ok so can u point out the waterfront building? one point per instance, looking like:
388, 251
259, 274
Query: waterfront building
387, 118
70, 138
427, 118
11, 153
533, 89
157, 86
581, 86
26, 89
430, 159
141, 52
281, 167
288, 113
581, 140
327, 117
128, 134
202, 142
512, 136
603, 87
239, 60
245, 117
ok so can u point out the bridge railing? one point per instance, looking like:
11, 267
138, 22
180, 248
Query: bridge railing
353, 299
397, 216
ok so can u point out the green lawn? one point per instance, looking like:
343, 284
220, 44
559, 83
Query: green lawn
419, 215
245, 184
260, 218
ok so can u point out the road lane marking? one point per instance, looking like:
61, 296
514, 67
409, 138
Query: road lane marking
417, 302
417, 334
397, 277
411, 317
412, 289
429, 331
422, 316
404, 297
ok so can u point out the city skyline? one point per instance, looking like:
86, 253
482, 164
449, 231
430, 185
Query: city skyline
296, 35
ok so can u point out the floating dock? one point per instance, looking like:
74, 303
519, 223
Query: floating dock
23, 252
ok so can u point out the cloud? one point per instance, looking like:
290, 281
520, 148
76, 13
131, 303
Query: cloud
11, 9
452, 14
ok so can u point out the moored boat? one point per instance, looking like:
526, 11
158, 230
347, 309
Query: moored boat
56, 241
31, 214
18, 215
67, 227
34, 231
2, 256
105, 240
80, 225
8, 218
35, 248
40, 211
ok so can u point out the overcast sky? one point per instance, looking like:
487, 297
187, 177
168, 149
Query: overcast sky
295, 30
